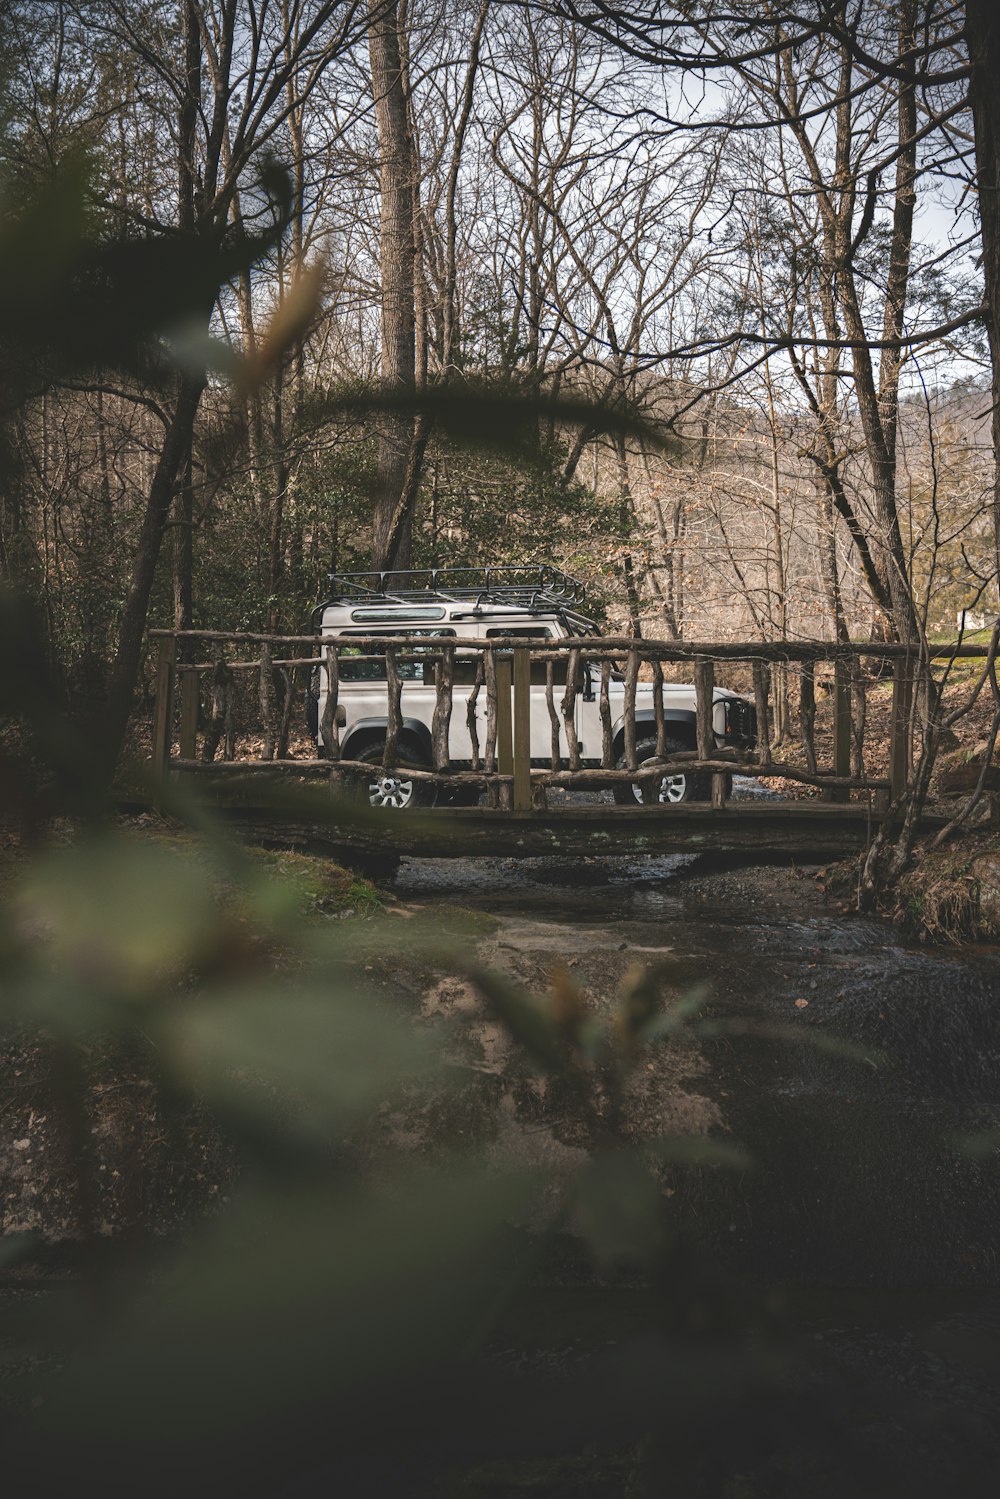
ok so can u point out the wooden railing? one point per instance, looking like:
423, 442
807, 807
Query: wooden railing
235, 702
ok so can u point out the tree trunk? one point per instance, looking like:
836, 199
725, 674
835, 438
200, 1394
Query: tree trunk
625, 524
184, 549
276, 547
877, 402
288, 458
880, 441
451, 334
187, 216
125, 670
829, 569
982, 31
391, 530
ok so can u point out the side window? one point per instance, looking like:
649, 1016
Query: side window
520, 632
371, 668
538, 668
358, 671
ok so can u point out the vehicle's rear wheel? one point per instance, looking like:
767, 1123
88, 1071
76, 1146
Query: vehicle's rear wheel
393, 790
673, 786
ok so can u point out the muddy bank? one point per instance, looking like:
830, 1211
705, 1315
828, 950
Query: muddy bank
952, 894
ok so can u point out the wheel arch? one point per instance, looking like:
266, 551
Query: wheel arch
681, 724
368, 731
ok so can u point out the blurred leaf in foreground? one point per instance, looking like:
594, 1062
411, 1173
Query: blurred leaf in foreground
118, 917
293, 1301
302, 1056
618, 1208
72, 302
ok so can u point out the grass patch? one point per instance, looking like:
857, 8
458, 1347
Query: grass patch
942, 897
441, 919
319, 885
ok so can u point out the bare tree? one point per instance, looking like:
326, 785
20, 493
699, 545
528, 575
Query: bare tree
982, 31
222, 94
400, 439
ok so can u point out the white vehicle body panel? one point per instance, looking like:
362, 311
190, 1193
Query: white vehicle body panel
363, 702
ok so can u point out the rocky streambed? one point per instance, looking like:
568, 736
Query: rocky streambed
871, 1168
828, 1317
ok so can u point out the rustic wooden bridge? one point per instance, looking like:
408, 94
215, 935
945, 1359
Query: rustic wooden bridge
230, 710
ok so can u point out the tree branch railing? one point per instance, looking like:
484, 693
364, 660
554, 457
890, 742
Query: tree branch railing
246, 691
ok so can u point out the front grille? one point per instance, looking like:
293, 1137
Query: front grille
741, 722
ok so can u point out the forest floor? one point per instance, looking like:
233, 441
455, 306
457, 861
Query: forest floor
970, 731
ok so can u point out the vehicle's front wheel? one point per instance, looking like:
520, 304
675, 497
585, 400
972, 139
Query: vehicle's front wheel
393, 790
672, 787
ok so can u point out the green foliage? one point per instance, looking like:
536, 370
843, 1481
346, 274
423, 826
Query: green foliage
315, 884
295, 1300
72, 302
492, 492
317, 1283
221, 980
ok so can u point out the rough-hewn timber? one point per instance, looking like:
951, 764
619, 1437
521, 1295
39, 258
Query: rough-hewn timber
815, 831
843, 817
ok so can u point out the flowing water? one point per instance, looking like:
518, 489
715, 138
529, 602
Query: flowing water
870, 1213
866, 1172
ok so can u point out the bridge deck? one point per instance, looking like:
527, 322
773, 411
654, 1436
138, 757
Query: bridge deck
813, 830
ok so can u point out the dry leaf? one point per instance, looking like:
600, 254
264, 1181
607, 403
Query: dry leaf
289, 322
569, 1008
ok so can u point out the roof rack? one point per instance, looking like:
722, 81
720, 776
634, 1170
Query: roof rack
536, 584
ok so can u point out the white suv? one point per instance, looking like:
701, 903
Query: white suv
482, 604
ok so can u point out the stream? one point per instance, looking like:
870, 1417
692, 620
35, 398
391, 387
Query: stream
871, 1172
819, 1320
870, 1213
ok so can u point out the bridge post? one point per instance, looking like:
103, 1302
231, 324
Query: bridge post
704, 684
190, 703
631, 681
163, 714
841, 730
444, 677
522, 730
505, 725
761, 684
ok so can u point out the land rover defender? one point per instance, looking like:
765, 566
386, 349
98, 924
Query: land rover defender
475, 604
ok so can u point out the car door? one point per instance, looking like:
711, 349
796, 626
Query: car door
363, 686
541, 722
